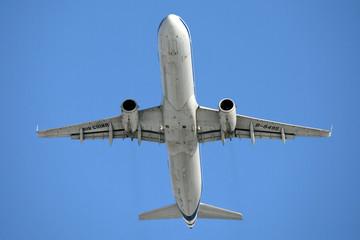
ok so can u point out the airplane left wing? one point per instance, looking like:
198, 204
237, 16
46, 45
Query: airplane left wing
150, 122
247, 127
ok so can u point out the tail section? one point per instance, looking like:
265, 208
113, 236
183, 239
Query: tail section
205, 211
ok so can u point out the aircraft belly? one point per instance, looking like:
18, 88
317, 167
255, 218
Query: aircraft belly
185, 176
179, 114
184, 159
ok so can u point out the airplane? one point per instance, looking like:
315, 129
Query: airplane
182, 125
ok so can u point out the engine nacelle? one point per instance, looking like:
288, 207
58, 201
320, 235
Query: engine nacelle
130, 115
227, 115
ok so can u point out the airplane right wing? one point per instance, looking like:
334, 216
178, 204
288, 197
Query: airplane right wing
248, 127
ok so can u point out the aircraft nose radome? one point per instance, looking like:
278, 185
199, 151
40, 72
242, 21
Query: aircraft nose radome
170, 21
172, 17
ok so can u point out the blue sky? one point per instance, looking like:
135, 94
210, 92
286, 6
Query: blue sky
67, 62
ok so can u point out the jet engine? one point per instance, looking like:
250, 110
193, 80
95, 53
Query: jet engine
130, 115
227, 115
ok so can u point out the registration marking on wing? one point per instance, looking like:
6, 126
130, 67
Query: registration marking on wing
265, 126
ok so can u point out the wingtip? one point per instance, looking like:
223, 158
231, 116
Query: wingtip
38, 132
331, 130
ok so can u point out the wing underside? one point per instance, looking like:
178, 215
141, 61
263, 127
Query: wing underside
209, 128
150, 128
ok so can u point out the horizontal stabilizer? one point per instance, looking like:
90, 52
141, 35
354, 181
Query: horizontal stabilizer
208, 211
171, 211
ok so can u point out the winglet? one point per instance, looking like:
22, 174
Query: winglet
331, 130
37, 128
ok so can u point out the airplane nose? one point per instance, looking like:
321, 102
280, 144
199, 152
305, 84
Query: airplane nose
171, 18
169, 22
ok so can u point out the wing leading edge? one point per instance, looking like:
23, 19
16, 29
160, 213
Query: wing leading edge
150, 129
247, 127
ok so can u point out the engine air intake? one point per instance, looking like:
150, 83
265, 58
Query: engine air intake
227, 115
130, 115
226, 105
129, 105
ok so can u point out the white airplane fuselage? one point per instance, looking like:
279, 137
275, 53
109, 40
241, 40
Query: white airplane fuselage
179, 115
